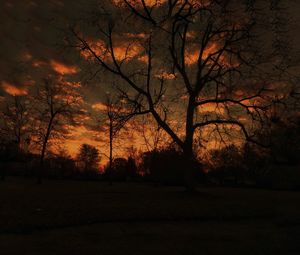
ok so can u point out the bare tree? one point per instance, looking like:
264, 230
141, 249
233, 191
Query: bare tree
57, 105
198, 64
117, 115
14, 129
16, 121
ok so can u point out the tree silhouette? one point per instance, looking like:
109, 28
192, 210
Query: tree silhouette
16, 116
131, 168
57, 105
15, 130
199, 64
168, 166
228, 162
115, 119
88, 157
284, 141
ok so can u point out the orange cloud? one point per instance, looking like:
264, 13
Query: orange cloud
192, 54
29, 82
212, 108
38, 63
98, 47
127, 52
102, 107
13, 90
148, 3
153, 3
166, 76
78, 136
99, 107
184, 97
26, 56
62, 68
191, 57
210, 53
144, 58
157, 3
123, 50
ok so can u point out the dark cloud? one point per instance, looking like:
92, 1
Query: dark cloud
32, 35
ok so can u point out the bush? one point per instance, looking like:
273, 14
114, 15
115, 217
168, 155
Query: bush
169, 166
122, 170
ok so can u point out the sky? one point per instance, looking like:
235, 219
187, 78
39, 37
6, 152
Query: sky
32, 47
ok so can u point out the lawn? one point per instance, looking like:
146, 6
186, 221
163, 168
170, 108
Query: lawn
70, 217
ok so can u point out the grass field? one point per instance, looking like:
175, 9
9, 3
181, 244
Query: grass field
69, 217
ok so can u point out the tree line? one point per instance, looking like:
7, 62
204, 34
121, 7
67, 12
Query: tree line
248, 165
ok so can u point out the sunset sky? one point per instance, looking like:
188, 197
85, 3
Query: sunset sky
33, 47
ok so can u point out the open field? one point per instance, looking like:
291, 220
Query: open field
68, 217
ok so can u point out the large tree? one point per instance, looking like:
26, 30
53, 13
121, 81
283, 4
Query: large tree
198, 67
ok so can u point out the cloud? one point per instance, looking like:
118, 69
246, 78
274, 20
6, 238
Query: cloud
13, 90
63, 69
148, 3
114, 108
99, 106
124, 50
158, 3
212, 108
38, 63
165, 75
192, 53
26, 56
210, 54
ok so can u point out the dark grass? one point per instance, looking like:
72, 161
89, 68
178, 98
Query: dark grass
69, 217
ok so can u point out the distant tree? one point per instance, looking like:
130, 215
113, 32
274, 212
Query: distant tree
131, 168
123, 169
62, 164
117, 116
117, 171
57, 103
255, 161
285, 143
280, 166
133, 152
227, 162
88, 158
168, 166
16, 119
15, 130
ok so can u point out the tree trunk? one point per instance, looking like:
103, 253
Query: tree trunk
190, 170
110, 153
188, 152
41, 170
45, 142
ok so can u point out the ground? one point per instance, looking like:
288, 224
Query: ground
72, 217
